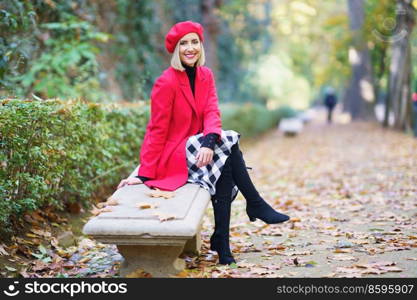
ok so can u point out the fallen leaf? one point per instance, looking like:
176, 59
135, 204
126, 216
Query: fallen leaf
277, 247
106, 209
39, 265
260, 271
112, 201
86, 243
342, 257
40, 232
11, 269
3, 250
145, 205
138, 273
298, 253
158, 193
95, 211
411, 258
243, 264
373, 271
391, 269
84, 260
69, 264
349, 270
342, 250
376, 264
164, 217
101, 205
182, 274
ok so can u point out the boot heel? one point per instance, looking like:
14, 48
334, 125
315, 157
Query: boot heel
263, 211
251, 217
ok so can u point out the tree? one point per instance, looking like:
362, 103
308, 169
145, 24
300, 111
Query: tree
360, 93
399, 89
212, 25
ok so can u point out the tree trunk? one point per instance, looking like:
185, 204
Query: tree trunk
399, 91
361, 91
388, 104
107, 13
212, 28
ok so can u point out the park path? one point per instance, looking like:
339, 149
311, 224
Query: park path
351, 192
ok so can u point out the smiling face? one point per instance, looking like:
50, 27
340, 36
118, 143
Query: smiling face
190, 48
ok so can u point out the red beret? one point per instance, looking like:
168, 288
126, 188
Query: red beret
179, 30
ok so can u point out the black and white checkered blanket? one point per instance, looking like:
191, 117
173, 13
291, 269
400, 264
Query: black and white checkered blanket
208, 175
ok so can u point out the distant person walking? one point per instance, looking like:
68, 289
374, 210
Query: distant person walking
330, 101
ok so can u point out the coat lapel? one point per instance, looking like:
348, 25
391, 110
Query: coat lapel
199, 87
186, 88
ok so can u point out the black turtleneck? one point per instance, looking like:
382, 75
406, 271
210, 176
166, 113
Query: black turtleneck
191, 71
210, 138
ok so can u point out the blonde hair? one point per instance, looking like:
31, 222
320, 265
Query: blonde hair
176, 60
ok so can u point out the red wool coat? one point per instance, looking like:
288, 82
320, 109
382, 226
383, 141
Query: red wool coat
176, 115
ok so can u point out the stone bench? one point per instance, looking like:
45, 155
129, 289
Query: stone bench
142, 239
307, 116
291, 126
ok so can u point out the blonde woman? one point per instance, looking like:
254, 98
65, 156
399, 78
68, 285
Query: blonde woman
184, 141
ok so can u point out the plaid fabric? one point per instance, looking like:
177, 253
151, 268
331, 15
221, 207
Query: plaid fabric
208, 175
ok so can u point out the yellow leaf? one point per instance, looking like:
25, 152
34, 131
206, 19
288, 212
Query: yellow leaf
84, 260
101, 204
106, 209
41, 232
164, 217
145, 205
182, 274
342, 250
138, 273
112, 201
158, 193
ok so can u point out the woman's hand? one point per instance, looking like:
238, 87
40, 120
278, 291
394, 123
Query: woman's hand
204, 156
129, 181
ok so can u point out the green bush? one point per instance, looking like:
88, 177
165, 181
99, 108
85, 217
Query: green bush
53, 153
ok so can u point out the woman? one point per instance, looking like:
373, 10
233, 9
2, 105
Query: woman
184, 141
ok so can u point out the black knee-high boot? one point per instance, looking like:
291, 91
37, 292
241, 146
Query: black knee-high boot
256, 206
219, 241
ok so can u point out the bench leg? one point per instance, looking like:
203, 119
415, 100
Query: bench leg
193, 245
159, 261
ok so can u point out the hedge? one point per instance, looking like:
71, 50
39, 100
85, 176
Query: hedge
54, 152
